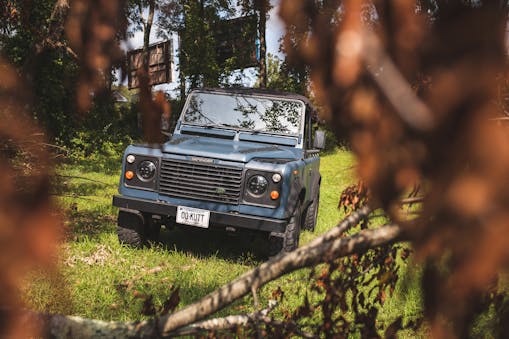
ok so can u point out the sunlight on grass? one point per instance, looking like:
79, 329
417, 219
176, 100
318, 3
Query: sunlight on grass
99, 278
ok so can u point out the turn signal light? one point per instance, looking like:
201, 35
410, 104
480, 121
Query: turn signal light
274, 195
129, 175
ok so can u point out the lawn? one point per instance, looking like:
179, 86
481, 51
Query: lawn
95, 277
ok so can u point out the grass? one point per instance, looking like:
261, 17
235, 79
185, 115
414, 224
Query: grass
95, 277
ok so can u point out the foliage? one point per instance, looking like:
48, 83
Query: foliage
281, 78
52, 73
194, 21
363, 72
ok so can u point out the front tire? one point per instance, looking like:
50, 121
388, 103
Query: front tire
141, 236
288, 241
130, 237
312, 214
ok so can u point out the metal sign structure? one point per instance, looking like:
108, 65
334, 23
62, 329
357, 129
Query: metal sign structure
236, 42
159, 66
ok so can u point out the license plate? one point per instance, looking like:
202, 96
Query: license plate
193, 216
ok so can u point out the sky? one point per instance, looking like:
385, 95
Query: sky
274, 32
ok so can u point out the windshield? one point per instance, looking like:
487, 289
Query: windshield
256, 113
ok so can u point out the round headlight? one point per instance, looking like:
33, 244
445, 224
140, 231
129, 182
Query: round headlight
146, 170
130, 158
257, 184
276, 177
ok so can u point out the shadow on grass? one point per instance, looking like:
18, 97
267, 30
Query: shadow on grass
89, 224
240, 245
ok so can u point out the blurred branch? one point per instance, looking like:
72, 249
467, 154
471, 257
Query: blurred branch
394, 86
410, 201
500, 119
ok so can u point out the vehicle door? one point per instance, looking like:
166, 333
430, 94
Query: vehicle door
311, 158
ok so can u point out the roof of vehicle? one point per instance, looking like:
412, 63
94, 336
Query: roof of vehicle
257, 91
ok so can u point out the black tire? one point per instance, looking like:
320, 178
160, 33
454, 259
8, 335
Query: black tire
288, 241
130, 237
312, 214
140, 238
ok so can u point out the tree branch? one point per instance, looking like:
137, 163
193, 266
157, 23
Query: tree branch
321, 249
327, 247
55, 29
289, 325
226, 322
412, 200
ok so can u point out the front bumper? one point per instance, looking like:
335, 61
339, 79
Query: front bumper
216, 218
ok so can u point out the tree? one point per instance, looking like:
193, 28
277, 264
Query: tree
32, 39
261, 9
280, 76
44, 41
194, 22
136, 10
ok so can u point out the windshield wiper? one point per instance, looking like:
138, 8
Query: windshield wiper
258, 130
214, 125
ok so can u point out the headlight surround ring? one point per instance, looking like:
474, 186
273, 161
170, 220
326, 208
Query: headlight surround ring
146, 170
257, 185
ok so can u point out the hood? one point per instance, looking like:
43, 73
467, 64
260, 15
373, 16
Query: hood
233, 150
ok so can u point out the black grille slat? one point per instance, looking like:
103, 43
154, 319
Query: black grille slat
207, 197
203, 171
198, 188
195, 178
227, 186
200, 192
191, 172
202, 181
202, 166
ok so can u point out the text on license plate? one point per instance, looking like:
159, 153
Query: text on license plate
193, 216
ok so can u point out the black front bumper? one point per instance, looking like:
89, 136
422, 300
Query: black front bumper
216, 218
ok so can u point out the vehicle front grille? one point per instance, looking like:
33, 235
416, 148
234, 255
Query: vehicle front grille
202, 181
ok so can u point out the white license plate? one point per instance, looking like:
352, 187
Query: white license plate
193, 216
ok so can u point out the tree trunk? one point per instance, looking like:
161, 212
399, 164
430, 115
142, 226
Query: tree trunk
262, 22
146, 36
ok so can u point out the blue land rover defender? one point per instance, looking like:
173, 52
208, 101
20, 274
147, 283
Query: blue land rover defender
237, 159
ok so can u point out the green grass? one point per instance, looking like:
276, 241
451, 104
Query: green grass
98, 278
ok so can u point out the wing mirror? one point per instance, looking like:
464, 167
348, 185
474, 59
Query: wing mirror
319, 140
